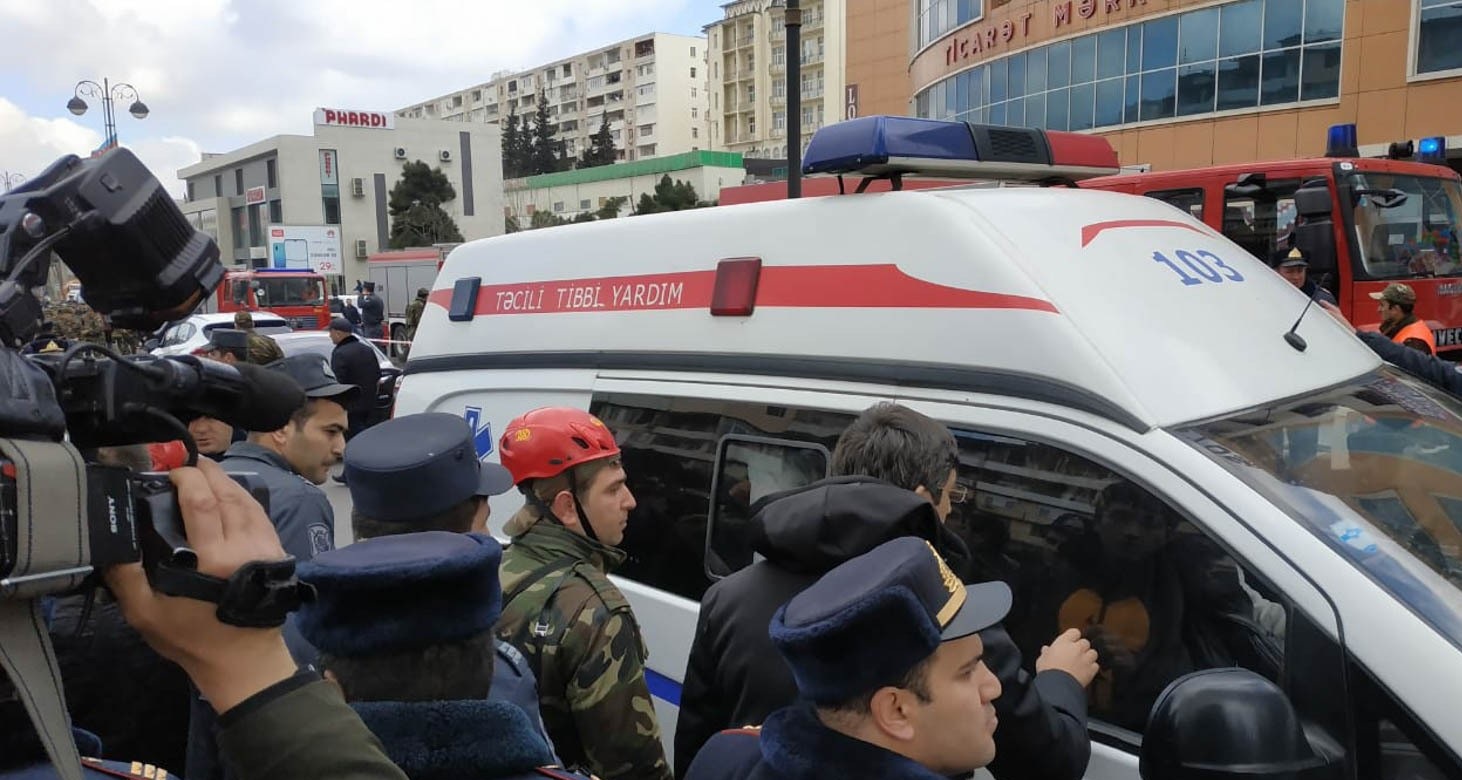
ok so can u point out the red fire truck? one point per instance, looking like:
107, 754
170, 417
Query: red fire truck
297, 296
1364, 222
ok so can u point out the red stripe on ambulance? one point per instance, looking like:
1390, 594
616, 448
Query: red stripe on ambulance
1090, 232
807, 286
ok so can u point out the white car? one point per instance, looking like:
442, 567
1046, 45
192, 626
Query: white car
185, 336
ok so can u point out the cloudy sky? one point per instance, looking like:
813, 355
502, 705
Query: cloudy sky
219, 74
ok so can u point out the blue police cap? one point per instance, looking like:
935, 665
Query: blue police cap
401, 592
866, 623
412, 467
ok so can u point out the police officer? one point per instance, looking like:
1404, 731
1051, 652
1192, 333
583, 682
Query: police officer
1292, 264
372, 312
560, 608
262, 350
889, 664
47, 340
402, 622
228, 345
420, 472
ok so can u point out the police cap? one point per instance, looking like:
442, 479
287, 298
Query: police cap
229, 340
866, 623
401, 592
415, 466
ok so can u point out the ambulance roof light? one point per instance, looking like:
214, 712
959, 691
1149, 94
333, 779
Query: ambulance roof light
734, 294
1341, 141
896, 145
1432, 150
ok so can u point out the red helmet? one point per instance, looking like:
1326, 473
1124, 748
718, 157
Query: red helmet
547, 442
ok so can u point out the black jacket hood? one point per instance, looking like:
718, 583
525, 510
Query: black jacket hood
814, 528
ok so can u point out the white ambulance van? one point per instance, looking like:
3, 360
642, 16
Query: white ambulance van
1309, 498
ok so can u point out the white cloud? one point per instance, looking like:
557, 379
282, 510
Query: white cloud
219, 74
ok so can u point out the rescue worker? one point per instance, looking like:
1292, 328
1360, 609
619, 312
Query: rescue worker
1294, 267
404, 626
559, 606
263, 350
1398, 321
891, 673
883, 464
227, 345
356, 364
372, 313
1436, 371
420, 472
414, 311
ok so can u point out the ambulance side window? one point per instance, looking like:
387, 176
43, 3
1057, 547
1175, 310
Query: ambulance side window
1190, 200
670, 447
1082, 547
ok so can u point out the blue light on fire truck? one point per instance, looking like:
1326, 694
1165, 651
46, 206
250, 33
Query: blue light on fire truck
1433, 149
1341, 141
892, 145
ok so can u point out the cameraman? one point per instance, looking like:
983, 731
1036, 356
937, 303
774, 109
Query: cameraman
274, 716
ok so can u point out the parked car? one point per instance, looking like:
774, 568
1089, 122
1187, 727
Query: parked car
186, 336
318, 342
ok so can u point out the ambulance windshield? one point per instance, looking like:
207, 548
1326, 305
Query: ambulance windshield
1374, 469
1416, 237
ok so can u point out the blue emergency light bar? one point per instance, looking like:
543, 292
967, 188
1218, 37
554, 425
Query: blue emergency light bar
897, 145
1341, 141
1432, 150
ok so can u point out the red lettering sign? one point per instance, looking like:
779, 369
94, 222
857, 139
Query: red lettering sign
1007, 31
276, 233
1086, 9
1114, 5
1061, 13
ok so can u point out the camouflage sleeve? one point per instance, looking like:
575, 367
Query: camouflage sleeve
610, 701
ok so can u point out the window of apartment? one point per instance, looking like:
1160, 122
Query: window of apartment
584, 204
645, 90
271, 173
715, 70
192, 194
779, 55
692, 51
558, 207
751, 125
694, 112
218, 185
1238, 55
695, 132
692, 72
256, 225
276, 212
568, 69
238, 181
1438, 36
476, 96
779, 120
693, 92
241, 228
456, 101
645, 130
807, 116
751, 93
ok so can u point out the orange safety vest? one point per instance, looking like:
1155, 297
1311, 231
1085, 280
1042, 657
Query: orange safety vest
1419, 331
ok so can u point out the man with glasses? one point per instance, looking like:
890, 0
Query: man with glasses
895, 475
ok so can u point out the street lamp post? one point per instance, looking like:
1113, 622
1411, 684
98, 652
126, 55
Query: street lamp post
107, 92
8, 180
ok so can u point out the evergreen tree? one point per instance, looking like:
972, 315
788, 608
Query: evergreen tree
669, 196
611, 207
415, 206
512, 144
543, 149
601, 149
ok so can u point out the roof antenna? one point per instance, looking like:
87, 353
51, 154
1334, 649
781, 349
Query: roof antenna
1294, 339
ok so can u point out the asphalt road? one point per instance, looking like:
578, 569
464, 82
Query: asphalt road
339, 496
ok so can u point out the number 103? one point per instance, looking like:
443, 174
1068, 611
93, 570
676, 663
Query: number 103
1205, 267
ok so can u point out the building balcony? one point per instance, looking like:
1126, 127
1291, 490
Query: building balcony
777, 68
779, 33
812, 94
778, 132
778, 100
811, 21
812, 58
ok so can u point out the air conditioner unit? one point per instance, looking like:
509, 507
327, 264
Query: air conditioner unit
360, 248
357, 187
400, 152
445, 156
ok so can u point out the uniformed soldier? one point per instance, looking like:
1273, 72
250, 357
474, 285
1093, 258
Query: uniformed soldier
263, 350
420, 472
403, 624
889, 663
560, 608
414, 311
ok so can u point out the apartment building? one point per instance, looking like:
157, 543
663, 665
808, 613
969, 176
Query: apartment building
748, 78
650, 88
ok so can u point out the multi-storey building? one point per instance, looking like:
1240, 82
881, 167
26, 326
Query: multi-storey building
651, 89
748, 69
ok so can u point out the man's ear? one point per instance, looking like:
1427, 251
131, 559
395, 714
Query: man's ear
889, 713
565, 509
923, 492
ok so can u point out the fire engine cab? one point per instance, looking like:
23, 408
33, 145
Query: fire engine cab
1364, 223
1293, 505
296, 295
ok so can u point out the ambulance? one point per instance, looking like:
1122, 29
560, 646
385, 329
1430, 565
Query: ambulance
1304, 501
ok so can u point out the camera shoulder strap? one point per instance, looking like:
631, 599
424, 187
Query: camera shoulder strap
52, 554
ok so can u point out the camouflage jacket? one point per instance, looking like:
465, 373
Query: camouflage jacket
413, 316
581, 639
76, 321
263, 350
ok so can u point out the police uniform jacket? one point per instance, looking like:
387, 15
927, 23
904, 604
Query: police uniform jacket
735, 676
372, 310
301, 513
355, 363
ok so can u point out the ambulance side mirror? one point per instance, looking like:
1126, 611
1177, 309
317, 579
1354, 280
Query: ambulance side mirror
1229, 723
749, 469
1314, 232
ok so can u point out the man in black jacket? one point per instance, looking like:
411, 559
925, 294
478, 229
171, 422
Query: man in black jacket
734, 676
372, 313
355, 363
